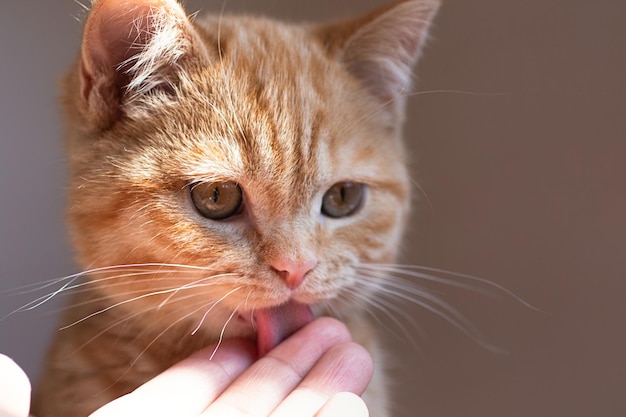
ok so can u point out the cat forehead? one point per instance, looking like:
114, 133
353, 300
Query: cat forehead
274, 97
270, 67
272, 109
291, 154
257, 41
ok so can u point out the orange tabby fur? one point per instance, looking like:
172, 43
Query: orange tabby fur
156, 102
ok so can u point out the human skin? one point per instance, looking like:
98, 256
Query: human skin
14, 389
317, 372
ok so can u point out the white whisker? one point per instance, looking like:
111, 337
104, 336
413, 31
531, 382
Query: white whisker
219, 342
213, 306
196, 284
120, 294
127, 269
378, 279
110, 327
184, 317
384, 306
130, 267
456, 92
413, 271
431, 303
150, 294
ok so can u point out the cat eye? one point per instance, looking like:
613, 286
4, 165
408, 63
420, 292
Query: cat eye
217, 200
343, 199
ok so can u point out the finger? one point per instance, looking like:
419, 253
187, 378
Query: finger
14, 389
260, 389
344, 404
188, 387
346, 367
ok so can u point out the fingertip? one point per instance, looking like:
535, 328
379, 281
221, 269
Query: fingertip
354, 369
15, 389
331, 328
362, 360
344, 404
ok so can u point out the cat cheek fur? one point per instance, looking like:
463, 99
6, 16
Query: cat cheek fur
156, 102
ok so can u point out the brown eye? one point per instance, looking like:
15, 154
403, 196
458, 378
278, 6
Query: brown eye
217, 200
343, 199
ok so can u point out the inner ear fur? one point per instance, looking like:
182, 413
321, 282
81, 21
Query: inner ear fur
130, 48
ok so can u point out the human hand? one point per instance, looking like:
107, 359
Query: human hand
14, 389
317, 372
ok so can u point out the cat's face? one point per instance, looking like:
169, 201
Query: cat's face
258, 170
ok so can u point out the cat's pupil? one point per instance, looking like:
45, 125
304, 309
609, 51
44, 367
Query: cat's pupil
343, 199
218, 200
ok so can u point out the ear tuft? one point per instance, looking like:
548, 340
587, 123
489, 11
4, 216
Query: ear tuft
130, 48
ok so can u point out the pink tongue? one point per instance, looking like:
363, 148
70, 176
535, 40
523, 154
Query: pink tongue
278, 323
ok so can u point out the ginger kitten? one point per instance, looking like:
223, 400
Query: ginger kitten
228, 175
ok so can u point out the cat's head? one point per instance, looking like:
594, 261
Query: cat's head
258, 163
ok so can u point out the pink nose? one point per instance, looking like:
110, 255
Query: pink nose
293, 272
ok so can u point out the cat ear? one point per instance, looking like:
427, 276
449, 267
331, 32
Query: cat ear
131, 48
380, 49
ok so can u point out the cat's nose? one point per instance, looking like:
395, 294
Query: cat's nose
292, 271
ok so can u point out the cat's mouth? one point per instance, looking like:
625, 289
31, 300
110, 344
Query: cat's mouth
275, 324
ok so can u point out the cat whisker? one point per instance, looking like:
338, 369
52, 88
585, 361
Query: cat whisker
251, 310
181, 318
93, 300
424, 273
328, 305
129, 317
385, 306
40, 300
132, 269
437, 306
128, 267
422, 192
83, 6
193, 16
196, 284
245, 305
388, 286
140, 297
140, 355
456, 92
150, 294
110, 327
37, 286
213, 306
407, 279
392, 310
403, 94
221, 338
196, 304
151, 274
151, 281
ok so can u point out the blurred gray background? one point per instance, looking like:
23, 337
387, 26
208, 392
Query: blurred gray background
517, 139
